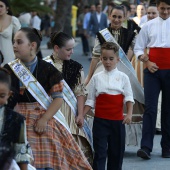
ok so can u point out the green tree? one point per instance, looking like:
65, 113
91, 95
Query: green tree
19, 6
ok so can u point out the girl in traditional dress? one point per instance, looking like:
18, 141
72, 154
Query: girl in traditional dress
36, 80
12, 130
73, 75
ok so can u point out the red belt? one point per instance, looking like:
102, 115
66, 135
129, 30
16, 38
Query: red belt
160, 56
109, 106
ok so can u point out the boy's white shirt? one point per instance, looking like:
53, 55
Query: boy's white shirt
113, 82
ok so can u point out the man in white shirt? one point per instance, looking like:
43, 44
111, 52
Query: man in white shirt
35, 21
25, 19
155, 36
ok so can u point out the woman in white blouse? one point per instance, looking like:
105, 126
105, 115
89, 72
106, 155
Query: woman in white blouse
8, 27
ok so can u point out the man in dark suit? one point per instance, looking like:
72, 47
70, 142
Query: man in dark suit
98, 21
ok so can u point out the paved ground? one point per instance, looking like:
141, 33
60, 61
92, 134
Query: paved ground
131, 161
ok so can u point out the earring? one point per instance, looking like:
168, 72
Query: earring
31, 53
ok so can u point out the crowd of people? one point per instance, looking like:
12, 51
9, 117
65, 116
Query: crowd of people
44, 102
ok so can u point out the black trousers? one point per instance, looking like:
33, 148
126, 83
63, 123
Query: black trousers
85, 43
109, 142
153, 84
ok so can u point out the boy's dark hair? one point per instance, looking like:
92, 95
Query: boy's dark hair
110, 46
5, 77
165, 1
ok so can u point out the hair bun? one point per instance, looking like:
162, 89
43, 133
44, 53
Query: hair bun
37, 32
54, 35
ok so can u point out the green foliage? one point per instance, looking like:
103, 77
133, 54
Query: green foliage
19, 6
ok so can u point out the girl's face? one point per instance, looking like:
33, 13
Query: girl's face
23, 48
65, 52
3, 8
4, 93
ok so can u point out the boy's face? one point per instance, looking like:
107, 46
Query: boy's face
109, 59
4, 93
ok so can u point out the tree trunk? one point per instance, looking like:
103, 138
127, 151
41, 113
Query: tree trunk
63, 16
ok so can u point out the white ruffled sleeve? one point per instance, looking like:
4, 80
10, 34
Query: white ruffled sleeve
80, 89
16, 24
22, 148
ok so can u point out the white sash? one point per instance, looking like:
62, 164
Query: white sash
35, 88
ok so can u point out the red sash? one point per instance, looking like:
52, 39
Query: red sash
160, 56
109, 106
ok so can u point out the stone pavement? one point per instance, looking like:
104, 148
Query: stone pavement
131, 161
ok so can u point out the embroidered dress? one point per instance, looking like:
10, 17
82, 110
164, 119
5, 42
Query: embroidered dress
56, 148
74, 76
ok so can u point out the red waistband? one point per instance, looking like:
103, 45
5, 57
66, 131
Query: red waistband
160, 56
109, 106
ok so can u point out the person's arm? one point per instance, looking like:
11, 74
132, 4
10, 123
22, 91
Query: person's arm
141, 42
128, 118
41, 124
80, 107
128, 99
23, 166
93, 65
90, 100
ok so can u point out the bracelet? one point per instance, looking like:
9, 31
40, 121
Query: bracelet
143, 60
146, 60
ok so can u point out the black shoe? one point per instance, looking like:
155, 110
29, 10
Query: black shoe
165, 153
144, 153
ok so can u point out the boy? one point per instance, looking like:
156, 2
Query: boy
108, 90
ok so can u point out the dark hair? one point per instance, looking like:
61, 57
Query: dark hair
112, 4
33, 35
110, 46
152, 5
97, 4
7, 5
59, 39
86, 7
118, 7
126, 5
5, 77
165, 1
6, 155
